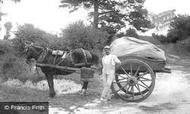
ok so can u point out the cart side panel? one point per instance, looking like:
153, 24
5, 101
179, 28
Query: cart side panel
156, 65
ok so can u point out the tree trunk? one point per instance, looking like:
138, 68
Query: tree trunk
96, 13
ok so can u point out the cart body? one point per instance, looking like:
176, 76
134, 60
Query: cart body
140, 61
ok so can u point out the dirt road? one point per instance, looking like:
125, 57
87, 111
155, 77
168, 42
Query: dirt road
170, 96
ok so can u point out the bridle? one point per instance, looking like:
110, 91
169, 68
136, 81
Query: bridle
27, 46
31, 45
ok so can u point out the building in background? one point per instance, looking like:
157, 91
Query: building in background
162, 20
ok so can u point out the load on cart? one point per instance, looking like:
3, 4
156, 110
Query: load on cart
141, 60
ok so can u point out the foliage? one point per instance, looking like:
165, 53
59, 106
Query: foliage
112, 15
132, 33
12, 66
78, 35
161, 38
5, 47
28, 32
1, 1
185, 43
179, 29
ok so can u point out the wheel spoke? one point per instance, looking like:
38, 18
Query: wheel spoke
119, 81
122, 77
124, 71
128, 88
122, 87
131, 68
137, 71
145, 79
145, 73
144, 86
138, 88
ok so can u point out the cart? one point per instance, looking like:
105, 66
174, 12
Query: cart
135, 77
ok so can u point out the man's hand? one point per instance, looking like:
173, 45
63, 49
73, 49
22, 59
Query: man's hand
118, 64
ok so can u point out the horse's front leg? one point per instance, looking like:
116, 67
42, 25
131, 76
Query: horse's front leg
49, 78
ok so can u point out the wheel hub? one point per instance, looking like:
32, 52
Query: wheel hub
132, 81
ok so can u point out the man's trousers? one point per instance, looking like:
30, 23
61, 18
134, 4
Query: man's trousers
107, 81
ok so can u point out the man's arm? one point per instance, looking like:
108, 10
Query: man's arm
117, 60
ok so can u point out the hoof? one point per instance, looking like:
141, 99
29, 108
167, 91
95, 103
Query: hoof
83, 92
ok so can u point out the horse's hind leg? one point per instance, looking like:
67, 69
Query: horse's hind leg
84, 87
51, 85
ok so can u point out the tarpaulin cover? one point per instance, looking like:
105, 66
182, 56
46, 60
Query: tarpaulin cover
127, 46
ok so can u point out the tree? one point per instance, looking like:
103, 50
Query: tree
10, 0
132, 33
112, 15
79, 35
179, 28
28, 32
8, 26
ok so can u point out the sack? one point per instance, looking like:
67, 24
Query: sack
127, 46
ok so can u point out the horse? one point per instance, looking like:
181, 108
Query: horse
70, 59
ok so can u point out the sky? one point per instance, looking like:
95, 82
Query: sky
158, 6
46, 15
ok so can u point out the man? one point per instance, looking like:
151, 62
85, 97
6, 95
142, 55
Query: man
108, 72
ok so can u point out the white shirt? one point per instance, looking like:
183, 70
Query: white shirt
108, 62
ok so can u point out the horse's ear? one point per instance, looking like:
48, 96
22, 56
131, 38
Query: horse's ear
27, 43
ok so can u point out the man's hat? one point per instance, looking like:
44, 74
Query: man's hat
107, 47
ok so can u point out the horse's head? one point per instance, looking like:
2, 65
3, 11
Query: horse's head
32, 52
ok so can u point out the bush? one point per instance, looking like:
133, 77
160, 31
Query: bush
12, 66
185, 43
161, 38
28, 32
5, 47
179, 29
16, 68
78, 35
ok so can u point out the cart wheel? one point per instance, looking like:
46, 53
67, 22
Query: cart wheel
134, 81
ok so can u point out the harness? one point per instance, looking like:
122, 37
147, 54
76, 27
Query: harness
64, 54
42, 55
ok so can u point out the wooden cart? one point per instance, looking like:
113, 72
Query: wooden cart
134, 79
